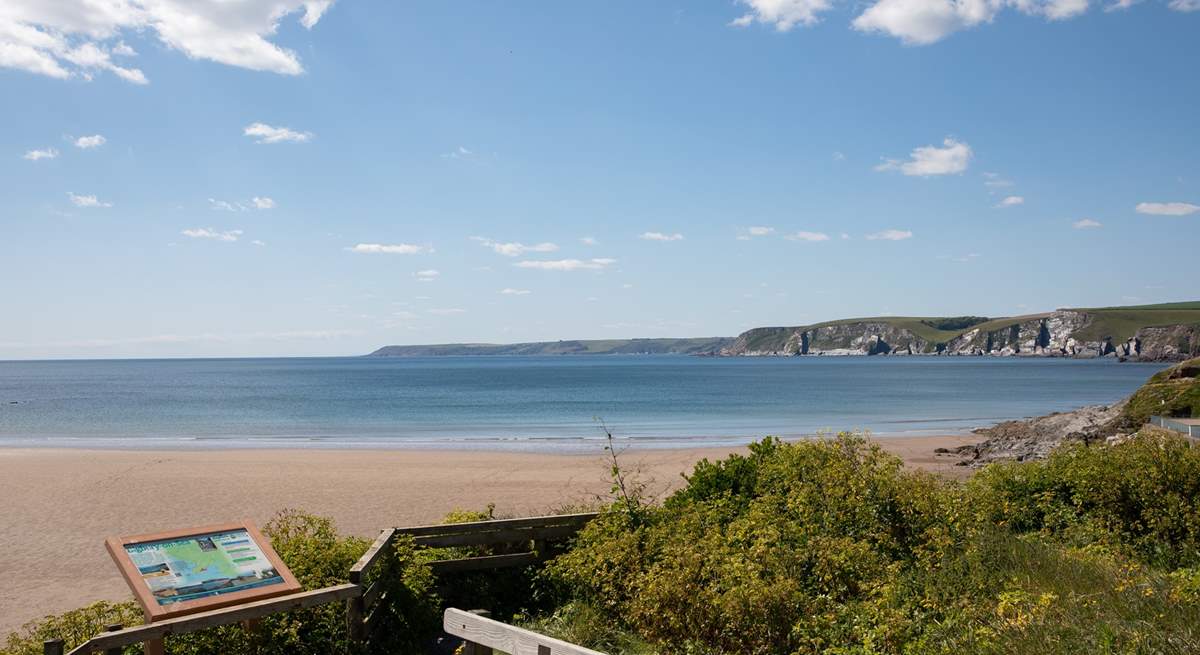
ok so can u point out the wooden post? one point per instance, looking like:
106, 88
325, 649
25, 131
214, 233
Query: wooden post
474, 648
53, 647
355, 628
113, 628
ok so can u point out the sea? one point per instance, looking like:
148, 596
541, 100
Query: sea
556, 403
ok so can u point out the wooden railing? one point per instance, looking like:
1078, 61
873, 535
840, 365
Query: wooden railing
531, 534
530, 537
115, 640
482, 635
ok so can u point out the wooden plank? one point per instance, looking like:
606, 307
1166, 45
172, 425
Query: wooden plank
381, 546
506, 638
482, 563
372, 594
504, 536
499, 524
213, 618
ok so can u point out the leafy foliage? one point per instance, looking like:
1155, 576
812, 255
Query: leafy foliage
832, 547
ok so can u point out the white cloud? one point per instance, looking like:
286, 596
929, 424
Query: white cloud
1167, 208
1011, 201
845, 236
94, 141
508, 291
839, 155
929, 160
427, 275
783, 15
75, 38
87, 200
209, 233
390, 249
34, 155
588, 241
1185, 5
659, 236
1085, 223
921, 22
807, 236
514, 249
890, 235
449, 311
567, 264
264, 133
461, 153
262, 202
760, 231
258, 242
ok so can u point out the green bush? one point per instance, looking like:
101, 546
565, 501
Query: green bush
1139, 497
830, 546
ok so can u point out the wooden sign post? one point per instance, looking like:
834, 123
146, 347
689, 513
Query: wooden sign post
186, 571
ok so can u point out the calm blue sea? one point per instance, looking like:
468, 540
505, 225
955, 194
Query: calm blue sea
529, 403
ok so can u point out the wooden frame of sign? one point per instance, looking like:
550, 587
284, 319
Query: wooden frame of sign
240, 545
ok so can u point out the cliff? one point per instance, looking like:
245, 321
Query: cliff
1166, 332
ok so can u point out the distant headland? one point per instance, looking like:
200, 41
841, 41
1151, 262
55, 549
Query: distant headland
1162, 332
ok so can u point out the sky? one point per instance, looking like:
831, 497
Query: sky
278, 177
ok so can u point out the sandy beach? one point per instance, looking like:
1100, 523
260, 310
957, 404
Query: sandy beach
59, 505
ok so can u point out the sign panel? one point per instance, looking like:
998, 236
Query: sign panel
186, 571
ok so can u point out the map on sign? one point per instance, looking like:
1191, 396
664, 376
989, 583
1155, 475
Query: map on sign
203, 565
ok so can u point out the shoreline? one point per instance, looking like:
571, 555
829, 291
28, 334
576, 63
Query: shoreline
61, 503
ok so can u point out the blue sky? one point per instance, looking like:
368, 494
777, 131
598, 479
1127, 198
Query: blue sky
353, 174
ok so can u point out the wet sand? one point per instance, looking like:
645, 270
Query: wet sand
59, 505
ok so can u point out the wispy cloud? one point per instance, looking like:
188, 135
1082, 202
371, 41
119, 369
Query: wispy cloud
890, 235
1167, 208
390, 249
962, 259
87, 142
659, 236
925, 161
262, 202
588, 241
238, 206
209, 233
515, 249
807, 236
508, 291
567, 264
1011, 201
35, 155
427, 275
760, 230
446, 311
1085, 224
263, 133
922, 23
995, 181
87, 200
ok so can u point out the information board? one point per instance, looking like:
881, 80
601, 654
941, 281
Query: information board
186, 571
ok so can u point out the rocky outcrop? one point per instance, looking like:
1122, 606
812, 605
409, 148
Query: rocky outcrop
1168, 343
1173, 392
1044, 335
1035, 438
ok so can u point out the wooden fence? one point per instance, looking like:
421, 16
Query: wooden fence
529, 537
